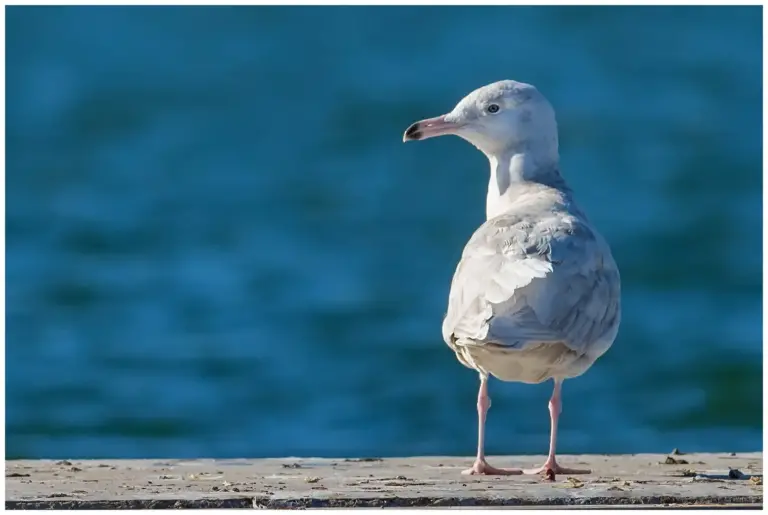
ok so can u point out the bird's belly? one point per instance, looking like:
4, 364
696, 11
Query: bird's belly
534, 364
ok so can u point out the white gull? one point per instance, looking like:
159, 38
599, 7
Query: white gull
536, 294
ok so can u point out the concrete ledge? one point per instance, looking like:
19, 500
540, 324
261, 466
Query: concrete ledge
727, 480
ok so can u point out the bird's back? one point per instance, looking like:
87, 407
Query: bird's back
536, 293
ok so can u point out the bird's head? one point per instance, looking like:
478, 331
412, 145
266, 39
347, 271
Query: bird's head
500, 117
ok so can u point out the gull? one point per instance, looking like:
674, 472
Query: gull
536, 294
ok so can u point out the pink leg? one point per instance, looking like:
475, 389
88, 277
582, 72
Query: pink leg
481, 466
551, 466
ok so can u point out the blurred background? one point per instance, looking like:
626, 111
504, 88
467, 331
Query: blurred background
218, 246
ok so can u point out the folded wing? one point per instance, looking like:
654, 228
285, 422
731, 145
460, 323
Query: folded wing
522, 282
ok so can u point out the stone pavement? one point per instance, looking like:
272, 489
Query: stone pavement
727, 479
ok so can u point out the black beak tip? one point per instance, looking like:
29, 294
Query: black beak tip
412, 133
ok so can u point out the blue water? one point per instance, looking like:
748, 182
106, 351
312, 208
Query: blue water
217, 244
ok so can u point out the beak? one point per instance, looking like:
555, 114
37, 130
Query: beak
430, 128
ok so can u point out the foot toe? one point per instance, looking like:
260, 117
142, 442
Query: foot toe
552, 469
482, 468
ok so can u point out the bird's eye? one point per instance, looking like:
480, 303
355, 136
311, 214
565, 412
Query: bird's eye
493, 108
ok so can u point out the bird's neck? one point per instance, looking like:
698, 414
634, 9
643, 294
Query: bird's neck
513, 169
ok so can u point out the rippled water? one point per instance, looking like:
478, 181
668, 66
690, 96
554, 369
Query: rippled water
217, 244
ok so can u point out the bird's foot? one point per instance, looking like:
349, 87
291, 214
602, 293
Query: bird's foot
551, 468
481, 467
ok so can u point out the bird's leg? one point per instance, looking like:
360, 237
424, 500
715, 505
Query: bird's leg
550, 466
481, 466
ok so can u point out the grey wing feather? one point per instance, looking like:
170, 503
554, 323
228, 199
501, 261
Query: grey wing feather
521, 282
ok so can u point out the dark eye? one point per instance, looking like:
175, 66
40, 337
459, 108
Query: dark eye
493, 108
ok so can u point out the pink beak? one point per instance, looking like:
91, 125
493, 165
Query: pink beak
429, 128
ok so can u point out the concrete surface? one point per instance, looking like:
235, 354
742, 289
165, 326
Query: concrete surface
733, 480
